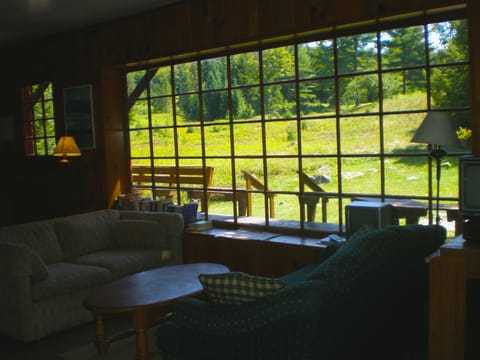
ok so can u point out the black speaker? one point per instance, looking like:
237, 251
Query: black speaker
471, 228
373, 213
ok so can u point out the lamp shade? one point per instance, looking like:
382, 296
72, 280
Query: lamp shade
436, 129
66, 147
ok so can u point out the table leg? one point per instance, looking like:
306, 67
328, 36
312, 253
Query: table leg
141, 326
101, 342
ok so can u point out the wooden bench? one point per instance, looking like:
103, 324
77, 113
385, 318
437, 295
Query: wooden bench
197, 182
163, 180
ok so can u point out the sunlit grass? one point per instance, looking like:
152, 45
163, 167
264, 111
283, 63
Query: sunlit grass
358, 135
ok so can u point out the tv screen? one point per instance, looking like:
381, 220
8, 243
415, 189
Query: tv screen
469, 183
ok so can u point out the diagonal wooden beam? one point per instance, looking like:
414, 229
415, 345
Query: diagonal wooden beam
141, 86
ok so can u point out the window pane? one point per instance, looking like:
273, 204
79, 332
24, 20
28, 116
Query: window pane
161, 83
49, 109
163, 142
315, 59
319, 136
188, 108
248, 139
161, 109
450, 87
189, 141
278, 64
246, 103
403, 47
214, 73
39, 129
448, 42
48, 93
360, 135
50, 127
280, 101
282, 174
217, 140
359, 94
139, 143
138, 115
186, 78
357, 53
323, 172
245, 69
404, 90
399, 130
215, 105
406, 176
51, 143
317, 97
281, 137
134, 79
361, 175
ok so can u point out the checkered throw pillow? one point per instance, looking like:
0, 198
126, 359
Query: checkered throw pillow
238, 287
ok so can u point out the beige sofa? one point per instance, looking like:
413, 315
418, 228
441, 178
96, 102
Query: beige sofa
48, 267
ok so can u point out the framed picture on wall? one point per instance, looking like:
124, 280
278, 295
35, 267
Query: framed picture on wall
79, 115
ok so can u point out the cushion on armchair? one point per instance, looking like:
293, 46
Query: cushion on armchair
238, 287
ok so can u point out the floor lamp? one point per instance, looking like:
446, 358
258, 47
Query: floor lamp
437, 130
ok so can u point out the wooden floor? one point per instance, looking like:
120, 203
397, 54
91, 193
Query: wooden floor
65, 345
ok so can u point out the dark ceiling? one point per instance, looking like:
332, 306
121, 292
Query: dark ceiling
24, 20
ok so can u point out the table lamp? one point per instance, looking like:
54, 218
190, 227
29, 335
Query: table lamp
65, 148
437, 130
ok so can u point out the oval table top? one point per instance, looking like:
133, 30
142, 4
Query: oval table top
151, 288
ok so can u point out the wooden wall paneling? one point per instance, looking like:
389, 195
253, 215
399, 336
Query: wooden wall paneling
275, 17
241, 21
116, 148
207, 15
313, 14
181, 29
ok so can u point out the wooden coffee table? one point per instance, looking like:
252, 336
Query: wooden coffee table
147, 296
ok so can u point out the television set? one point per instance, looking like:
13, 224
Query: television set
469, 196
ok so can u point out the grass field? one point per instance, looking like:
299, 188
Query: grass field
360, 135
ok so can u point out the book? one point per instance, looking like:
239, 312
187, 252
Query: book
200, 225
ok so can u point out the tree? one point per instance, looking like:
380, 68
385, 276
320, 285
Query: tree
450, 84
403, 48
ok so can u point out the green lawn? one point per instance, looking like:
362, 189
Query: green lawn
405, 176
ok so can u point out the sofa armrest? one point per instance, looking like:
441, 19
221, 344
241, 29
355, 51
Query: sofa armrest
15, 278
15, 260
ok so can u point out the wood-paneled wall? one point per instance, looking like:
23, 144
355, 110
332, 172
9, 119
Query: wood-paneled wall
95, 55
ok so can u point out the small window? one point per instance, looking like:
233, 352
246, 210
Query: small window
38, 119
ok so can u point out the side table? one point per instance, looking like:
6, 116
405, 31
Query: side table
450, 268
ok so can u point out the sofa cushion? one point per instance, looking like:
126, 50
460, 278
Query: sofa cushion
238, 287
65, 278
38, 236
136, 233
123, 262
83, 235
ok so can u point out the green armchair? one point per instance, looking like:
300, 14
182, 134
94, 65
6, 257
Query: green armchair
367, 299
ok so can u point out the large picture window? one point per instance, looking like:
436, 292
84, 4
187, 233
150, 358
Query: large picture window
300, 129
